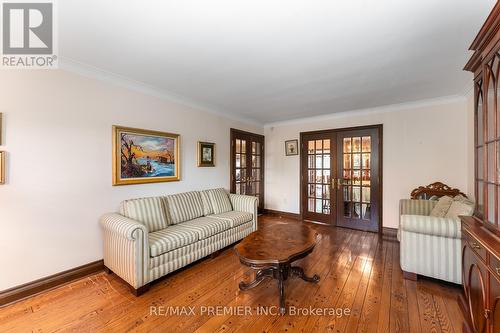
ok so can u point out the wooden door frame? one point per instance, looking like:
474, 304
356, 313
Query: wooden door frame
380, 128
232, 151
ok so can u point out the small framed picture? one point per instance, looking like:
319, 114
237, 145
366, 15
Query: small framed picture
2, 167
206, 154
291, 147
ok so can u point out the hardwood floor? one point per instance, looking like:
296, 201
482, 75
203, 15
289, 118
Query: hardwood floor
359, 271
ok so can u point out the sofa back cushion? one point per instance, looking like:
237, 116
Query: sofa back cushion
207, 204
148, 211
220, 201
184, 206
442, 206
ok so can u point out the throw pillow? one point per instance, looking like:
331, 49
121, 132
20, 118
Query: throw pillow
458, 208
442, 207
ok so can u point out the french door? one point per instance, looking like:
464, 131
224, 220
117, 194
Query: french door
340, 177
247, 165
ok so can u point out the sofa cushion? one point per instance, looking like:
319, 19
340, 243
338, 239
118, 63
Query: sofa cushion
219, 200
235, 218
442, 206
148, 211
207, 226
430, 225
207, 205
170, 238
184, 206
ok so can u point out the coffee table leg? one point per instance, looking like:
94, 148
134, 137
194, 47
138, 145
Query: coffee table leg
259, 277
281, 286
298, 271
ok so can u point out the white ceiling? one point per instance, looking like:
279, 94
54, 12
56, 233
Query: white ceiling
278, 60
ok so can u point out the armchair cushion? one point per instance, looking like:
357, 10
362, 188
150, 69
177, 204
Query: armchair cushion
207, 226
148, 211
184, 206
171, 238
430, 225
220, 201
234, 218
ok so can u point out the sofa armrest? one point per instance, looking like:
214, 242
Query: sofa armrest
122, 226
430, 225
126, 248
245, 203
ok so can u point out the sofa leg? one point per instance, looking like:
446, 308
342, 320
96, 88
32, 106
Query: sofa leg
410, 276
141, 290
107, 270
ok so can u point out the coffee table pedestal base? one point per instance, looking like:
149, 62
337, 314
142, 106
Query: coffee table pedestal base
280, 272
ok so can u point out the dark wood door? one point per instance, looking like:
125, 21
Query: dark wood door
318, 172
358, 184
340, 177
247, 164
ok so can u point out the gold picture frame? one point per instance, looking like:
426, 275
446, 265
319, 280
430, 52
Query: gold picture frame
144, 156
206, 154
2, 167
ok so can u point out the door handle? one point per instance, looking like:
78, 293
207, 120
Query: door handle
340, 183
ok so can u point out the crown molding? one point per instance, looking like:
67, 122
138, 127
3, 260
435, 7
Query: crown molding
469, 90
381, 109
89, 71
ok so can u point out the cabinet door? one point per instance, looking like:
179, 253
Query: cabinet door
467, 257
494, 304
476, 279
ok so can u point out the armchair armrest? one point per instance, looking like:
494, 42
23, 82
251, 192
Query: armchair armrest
245, 203
430, 225
126, 248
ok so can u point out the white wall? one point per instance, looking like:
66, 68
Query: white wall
58, 137
423, 143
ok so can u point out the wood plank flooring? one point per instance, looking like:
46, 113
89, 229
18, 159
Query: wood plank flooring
359, 271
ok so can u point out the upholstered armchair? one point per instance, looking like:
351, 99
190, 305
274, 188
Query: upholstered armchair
429, 246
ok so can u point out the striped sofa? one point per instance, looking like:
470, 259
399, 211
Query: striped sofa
151, 237
430, 246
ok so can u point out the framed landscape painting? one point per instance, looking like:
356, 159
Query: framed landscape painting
144, 156
206, 154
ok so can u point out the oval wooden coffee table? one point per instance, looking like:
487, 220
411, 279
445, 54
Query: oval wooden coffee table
271, 251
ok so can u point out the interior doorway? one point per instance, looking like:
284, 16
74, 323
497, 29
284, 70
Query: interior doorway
341, 177
247, 164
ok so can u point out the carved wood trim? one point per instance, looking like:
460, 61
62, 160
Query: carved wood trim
438, 189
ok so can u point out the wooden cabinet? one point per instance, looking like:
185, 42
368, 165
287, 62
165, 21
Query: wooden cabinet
481, 233
480, 277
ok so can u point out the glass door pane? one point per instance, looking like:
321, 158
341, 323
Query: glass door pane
317, 178
241, 166
357, 192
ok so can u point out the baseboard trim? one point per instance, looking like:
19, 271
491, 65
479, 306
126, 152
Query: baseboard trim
29, 289
282, 214
389, 231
